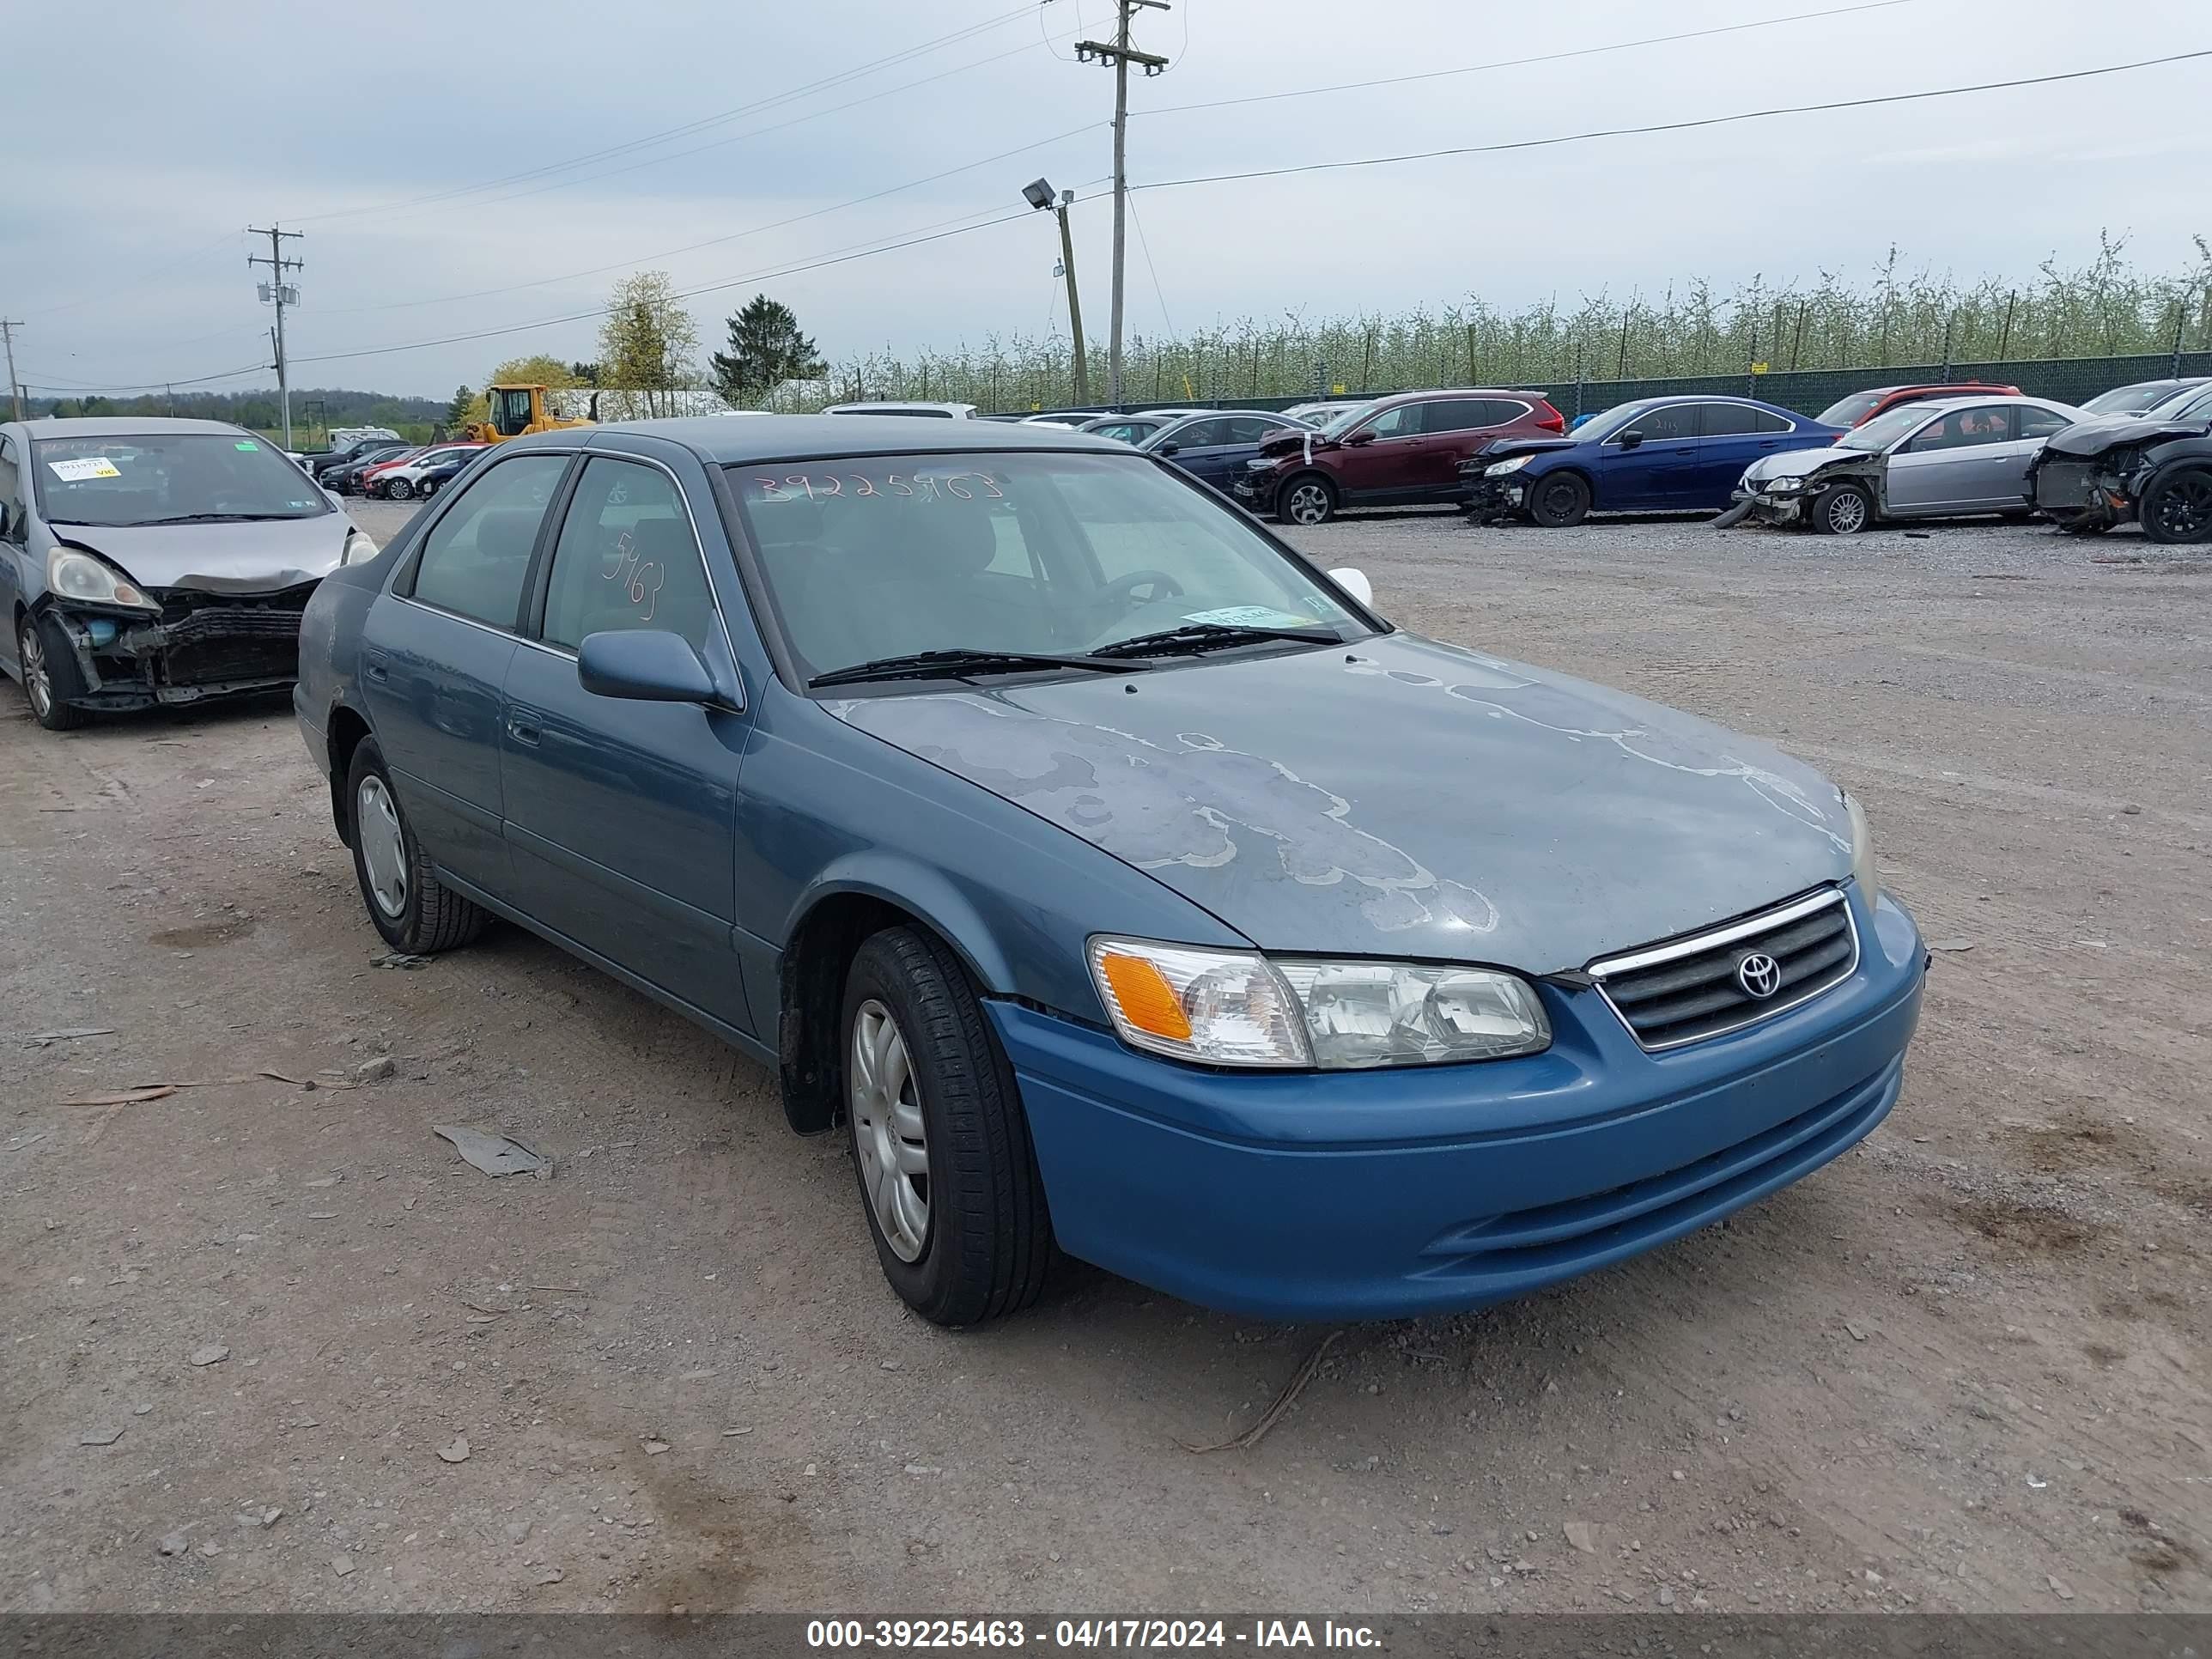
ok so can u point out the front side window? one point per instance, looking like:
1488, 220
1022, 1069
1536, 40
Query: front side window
1964, 428
1402, 421
1198, 434
170, 478
1054, 553
626, 559
1670, 423
11, 493
477, 555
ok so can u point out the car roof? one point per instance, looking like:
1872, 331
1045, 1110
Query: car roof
777, 437
120, 426
1976, 399
1392, 398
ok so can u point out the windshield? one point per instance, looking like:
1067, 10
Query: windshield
1884, 429
1850, 411
2127, 399
162, 477
1339, 423
1046, 554
2178, 400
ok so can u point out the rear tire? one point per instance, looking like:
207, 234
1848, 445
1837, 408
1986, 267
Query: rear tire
1842, 509
1307, 498
46, 664
2176, 510
414, 911
1559, 501
969, 1237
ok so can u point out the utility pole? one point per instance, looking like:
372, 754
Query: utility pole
1120, 54
15, 391
276, 288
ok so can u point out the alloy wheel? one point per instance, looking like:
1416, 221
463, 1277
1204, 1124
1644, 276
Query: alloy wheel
382, 847
1308, 503
399, 490
37, 683
2183, 509
884, 1096
1847, 512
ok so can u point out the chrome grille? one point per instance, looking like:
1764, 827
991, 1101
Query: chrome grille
1686, 989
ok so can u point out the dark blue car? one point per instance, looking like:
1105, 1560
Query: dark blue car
1118, 882
1214, 447
1656, 455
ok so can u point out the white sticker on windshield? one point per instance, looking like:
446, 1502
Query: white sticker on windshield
1250, 615
83, 467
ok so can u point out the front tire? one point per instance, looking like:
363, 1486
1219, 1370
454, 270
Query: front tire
414, 911
399, 490
1841, 510
1559, 502
2176, 510
948, 1178
1308, 499
47, 666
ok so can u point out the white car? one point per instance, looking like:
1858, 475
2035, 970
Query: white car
926, 411
405, 483
1322, 413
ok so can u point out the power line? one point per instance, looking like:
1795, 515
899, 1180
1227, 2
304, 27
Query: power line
1144, 247
699, 125
716, 241
1542, 57
146, 386
1674, 126
136, 282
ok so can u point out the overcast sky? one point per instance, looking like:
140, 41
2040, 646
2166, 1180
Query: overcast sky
122, 249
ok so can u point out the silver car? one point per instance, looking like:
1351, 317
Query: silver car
1946, 457
146, 561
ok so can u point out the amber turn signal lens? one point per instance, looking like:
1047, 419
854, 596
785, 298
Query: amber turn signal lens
1147, 1000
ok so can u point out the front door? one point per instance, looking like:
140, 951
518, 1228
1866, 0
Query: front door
1962, 462
1203, 449
1646, 462
621, 816
1388, 464
434, 655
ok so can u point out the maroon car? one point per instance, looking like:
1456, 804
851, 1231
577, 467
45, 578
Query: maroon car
1397, 450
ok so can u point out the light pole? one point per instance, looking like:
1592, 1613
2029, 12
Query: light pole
1039, 195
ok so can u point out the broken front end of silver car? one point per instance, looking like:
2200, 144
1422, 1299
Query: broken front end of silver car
1788, 497
182, 645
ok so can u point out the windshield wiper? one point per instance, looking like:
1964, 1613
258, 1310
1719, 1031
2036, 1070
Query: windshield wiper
221, 518
961, 660
1192, 637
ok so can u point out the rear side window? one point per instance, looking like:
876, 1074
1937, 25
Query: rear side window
626, 559
1252, 430
1727, 420
477, 556
2040, 422
1469, 414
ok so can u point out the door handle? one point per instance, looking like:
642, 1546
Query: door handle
1770, 443
525, 731
374, 668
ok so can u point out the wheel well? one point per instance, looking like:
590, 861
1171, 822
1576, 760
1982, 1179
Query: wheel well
1305, 472
347, 729
812, 994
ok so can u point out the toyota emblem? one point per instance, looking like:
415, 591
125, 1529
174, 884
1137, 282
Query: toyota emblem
1759, 974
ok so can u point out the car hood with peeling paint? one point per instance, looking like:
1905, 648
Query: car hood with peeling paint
257, 555
1397, 798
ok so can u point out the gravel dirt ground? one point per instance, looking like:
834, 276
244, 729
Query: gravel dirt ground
268, 1346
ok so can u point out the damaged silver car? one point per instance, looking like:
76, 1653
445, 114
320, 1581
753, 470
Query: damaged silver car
1947, 457
146, 561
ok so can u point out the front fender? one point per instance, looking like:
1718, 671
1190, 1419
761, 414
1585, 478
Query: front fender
909, 884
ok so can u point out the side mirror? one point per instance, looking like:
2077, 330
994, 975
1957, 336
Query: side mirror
644, 665
1631, 440
1365, 435
1169, 449
1355, 583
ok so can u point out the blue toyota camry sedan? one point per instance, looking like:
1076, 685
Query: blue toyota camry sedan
1116, 882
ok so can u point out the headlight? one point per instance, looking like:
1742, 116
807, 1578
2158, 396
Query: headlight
73, 575
1863, 870
1238, 1008
1498, 470
1789, 486
359, 548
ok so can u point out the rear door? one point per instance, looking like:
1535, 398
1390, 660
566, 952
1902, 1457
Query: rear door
621, 817
15, 544
1730, 437
435, 649
1456, 428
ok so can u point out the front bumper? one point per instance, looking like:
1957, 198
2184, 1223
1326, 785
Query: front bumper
2078, 492
1386, 1195
1489, 499
1769, 508
1255, 492
202, 646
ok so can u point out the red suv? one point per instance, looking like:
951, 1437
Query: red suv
1862, 406
1397, 450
